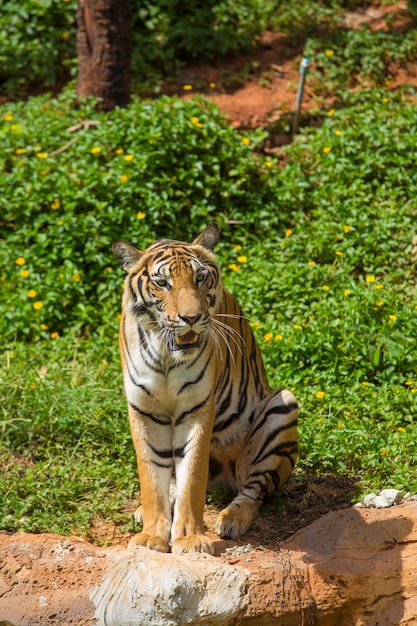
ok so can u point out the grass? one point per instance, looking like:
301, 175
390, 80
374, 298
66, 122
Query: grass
323, 263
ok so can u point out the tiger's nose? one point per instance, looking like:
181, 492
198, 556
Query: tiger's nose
190, 319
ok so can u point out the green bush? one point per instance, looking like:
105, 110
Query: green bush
323, 264
152, 169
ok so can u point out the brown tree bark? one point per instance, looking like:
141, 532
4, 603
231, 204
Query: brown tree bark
104, 48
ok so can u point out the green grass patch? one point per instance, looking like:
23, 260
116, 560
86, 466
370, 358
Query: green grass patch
323, 263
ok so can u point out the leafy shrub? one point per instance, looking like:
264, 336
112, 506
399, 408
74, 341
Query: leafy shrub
323, 264
162, 168
37, 43
345, 57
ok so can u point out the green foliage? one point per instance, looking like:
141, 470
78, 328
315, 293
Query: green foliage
323, 263
153, 169
37, 40
37, 43
345, 57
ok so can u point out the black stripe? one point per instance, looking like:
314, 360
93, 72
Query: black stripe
262, 455
196, 380
183, 415
150, 416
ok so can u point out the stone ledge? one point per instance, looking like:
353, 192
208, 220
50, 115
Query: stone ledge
351, 567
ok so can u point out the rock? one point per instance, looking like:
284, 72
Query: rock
385, 498
143, 587
350, 567
393, 496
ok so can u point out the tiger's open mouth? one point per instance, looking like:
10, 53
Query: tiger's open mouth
187, 341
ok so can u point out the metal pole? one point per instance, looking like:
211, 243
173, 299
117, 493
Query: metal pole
301, 81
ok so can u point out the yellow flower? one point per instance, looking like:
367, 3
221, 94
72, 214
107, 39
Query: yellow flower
20, 261
393, 318
65, 36
370, 279
255, 324
325, 287
379, 303
347, 228
234, 267
31, 293
268, 337
54, 335
119, 151
385, 100
212, 85
379, 286
37, 305
338, 132
278, 337
44, 327
96, 150
400, 429
331, 112
268, 164
20, 151
33, 386
129, 157
320, 394
384, 453
288, 232
187, 87
347, 292
340, 425
140, 215
365, 383
76, 277
41, 155
311, 263
298, 327
338, 253
326, 149
195, 120
245, 141
329, 53
56, 203
104, 363
237, 247
242, 259
408, 382
24, 273
123, 178
8, 118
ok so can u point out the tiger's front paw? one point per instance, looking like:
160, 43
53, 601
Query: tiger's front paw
192, 543
153, 542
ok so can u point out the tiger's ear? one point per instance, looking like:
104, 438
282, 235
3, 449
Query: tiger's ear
208, 237
127, 254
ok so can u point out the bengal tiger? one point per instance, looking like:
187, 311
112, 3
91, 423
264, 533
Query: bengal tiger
200, 408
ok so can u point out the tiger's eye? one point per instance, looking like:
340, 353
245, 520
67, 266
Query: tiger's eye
161, 282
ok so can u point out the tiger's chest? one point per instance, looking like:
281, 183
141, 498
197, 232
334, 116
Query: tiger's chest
169, 391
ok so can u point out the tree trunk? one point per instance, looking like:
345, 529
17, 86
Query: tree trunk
103, 48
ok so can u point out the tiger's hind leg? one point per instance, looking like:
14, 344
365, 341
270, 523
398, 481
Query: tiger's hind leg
265, 464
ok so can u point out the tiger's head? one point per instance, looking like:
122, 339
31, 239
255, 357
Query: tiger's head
173, 288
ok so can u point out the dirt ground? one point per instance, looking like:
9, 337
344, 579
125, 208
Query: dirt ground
257, 89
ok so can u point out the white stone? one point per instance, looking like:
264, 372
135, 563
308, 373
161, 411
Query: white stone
394, 496
143, 587
381, 502
369, 499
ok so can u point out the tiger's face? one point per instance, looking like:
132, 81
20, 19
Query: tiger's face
173, 289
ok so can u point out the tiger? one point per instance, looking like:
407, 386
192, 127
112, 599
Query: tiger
200, 409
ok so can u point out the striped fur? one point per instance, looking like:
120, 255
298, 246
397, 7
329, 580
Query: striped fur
200, 407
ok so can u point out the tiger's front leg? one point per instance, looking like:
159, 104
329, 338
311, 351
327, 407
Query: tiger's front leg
191, 445
155, 463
